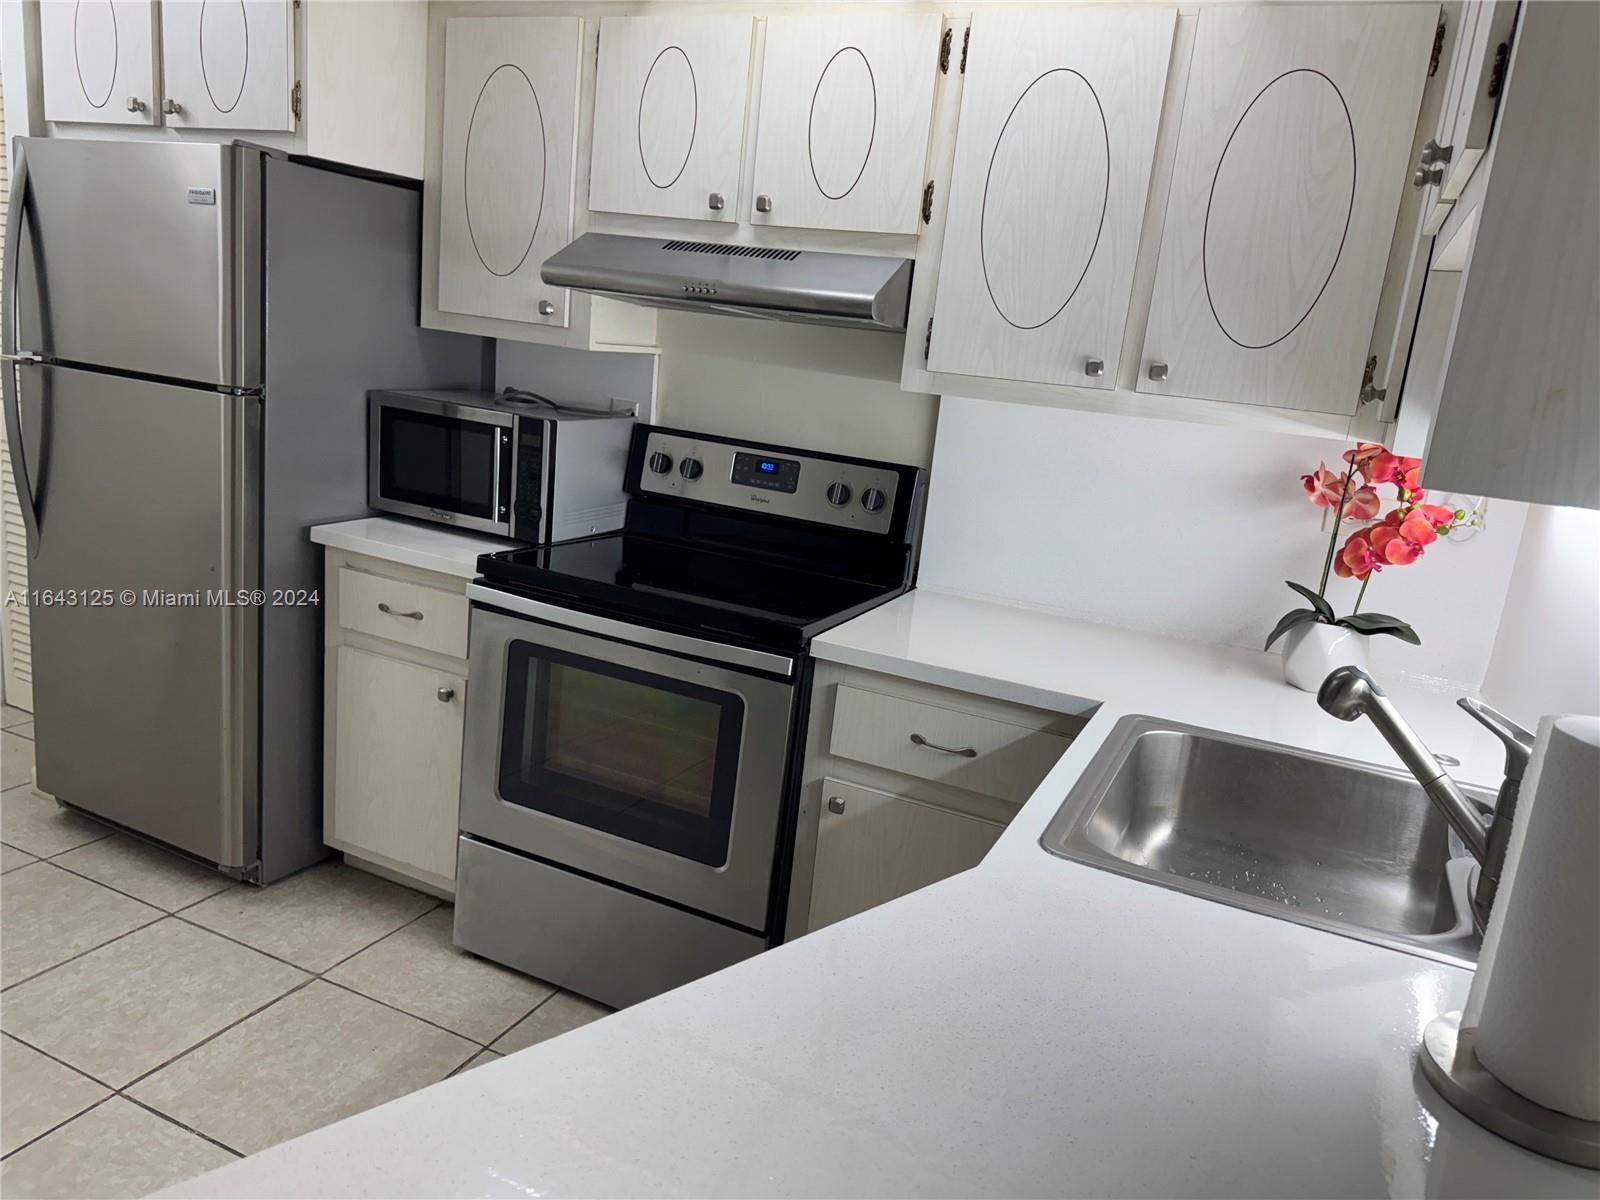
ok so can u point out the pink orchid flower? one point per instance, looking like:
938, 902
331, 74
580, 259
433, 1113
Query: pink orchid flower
1323, 487
1357, 558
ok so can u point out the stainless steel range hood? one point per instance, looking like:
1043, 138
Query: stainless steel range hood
860, 291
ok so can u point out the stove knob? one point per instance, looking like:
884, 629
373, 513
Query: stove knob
661, 462
873, 500
690, 468
838, 494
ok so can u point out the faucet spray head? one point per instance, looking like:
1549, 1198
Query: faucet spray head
1346, 693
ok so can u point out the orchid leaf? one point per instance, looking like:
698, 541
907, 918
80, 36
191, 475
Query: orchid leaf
1324, 609
1299, 616
1374, 623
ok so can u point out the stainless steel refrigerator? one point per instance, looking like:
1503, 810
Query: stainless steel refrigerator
191, 330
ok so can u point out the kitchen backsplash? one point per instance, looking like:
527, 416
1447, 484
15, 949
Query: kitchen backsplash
1182, 530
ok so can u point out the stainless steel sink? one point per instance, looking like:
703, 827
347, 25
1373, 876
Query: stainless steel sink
1339, 845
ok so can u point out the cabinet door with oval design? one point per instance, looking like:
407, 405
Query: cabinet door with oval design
228, 64
98, 61
1058, 131
669, 106
842, 139
1295, 148
505, 200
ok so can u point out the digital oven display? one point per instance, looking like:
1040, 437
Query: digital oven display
763, 471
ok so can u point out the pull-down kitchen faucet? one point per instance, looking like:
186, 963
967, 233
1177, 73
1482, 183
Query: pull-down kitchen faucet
1349, 693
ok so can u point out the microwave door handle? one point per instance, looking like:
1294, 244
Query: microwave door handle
505, 442
10, 358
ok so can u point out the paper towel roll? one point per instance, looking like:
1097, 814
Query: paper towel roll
1538, 998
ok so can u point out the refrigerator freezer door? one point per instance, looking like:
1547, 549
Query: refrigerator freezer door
144, 663
142, 256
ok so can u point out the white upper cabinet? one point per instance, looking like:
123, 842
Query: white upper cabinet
1058, 131
228, 64
669, 110
510, 114
842, 136
1296, 133
98, 60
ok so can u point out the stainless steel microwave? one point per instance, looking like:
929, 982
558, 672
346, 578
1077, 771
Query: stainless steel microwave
477, 460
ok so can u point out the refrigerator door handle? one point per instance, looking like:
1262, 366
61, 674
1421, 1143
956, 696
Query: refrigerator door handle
11, 358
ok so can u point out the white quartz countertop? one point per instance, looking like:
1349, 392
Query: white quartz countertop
1030, 1027
430, 547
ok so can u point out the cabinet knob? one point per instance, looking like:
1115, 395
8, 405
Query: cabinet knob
135, 105
1157, 371
714, 202
446, 694
836, 804
1094, 367
547, 308
763, 204
1427, 175
1435, 153
171, 107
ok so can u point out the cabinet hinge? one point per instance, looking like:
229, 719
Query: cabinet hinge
966, 40
1497, 73
944, 51
294, 100
1368, 393
927, 342
1438, 49
927, 202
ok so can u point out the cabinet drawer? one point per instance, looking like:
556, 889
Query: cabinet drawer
426, 617
957, 748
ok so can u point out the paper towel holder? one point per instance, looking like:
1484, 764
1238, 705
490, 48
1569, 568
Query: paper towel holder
1449, 1064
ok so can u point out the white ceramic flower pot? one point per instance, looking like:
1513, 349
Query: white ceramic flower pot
1312, 650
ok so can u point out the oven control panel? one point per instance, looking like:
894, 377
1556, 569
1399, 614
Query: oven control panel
806, 487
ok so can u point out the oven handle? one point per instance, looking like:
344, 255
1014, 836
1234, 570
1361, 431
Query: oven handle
626, 631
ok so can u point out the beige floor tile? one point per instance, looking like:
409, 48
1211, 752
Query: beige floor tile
11, 858
115, 1149
16, 760
145, 872
24, 730
314, 1057
10, 717
557, 1015
38, 1094
418, 970
42, 827
129, 1007
477, 1060
315, 918
50, 915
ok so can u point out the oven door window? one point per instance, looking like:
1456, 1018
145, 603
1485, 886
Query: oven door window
437, 462
644, 757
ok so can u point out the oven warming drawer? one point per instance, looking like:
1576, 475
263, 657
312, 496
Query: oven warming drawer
602, 942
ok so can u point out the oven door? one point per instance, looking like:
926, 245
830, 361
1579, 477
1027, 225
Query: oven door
653, 766
443, 462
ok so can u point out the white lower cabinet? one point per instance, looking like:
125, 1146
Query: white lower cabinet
394, 710
873, 846
905, 784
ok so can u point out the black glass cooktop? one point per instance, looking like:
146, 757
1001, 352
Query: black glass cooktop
674, 584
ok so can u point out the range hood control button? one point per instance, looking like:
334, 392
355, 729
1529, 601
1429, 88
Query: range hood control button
661, 462
838, 494
690, 468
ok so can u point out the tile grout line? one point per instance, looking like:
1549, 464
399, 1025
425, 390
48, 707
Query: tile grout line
37, 974
156, 1112
60, 1125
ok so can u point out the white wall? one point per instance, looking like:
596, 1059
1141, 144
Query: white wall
809, 386
1183, 530
588, 380
1547, 655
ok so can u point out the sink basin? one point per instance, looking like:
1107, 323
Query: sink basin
1339, 845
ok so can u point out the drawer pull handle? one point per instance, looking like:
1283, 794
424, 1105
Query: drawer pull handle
965, 751
410, 616
836, 804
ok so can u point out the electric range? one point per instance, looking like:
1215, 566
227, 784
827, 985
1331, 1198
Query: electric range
637, 702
